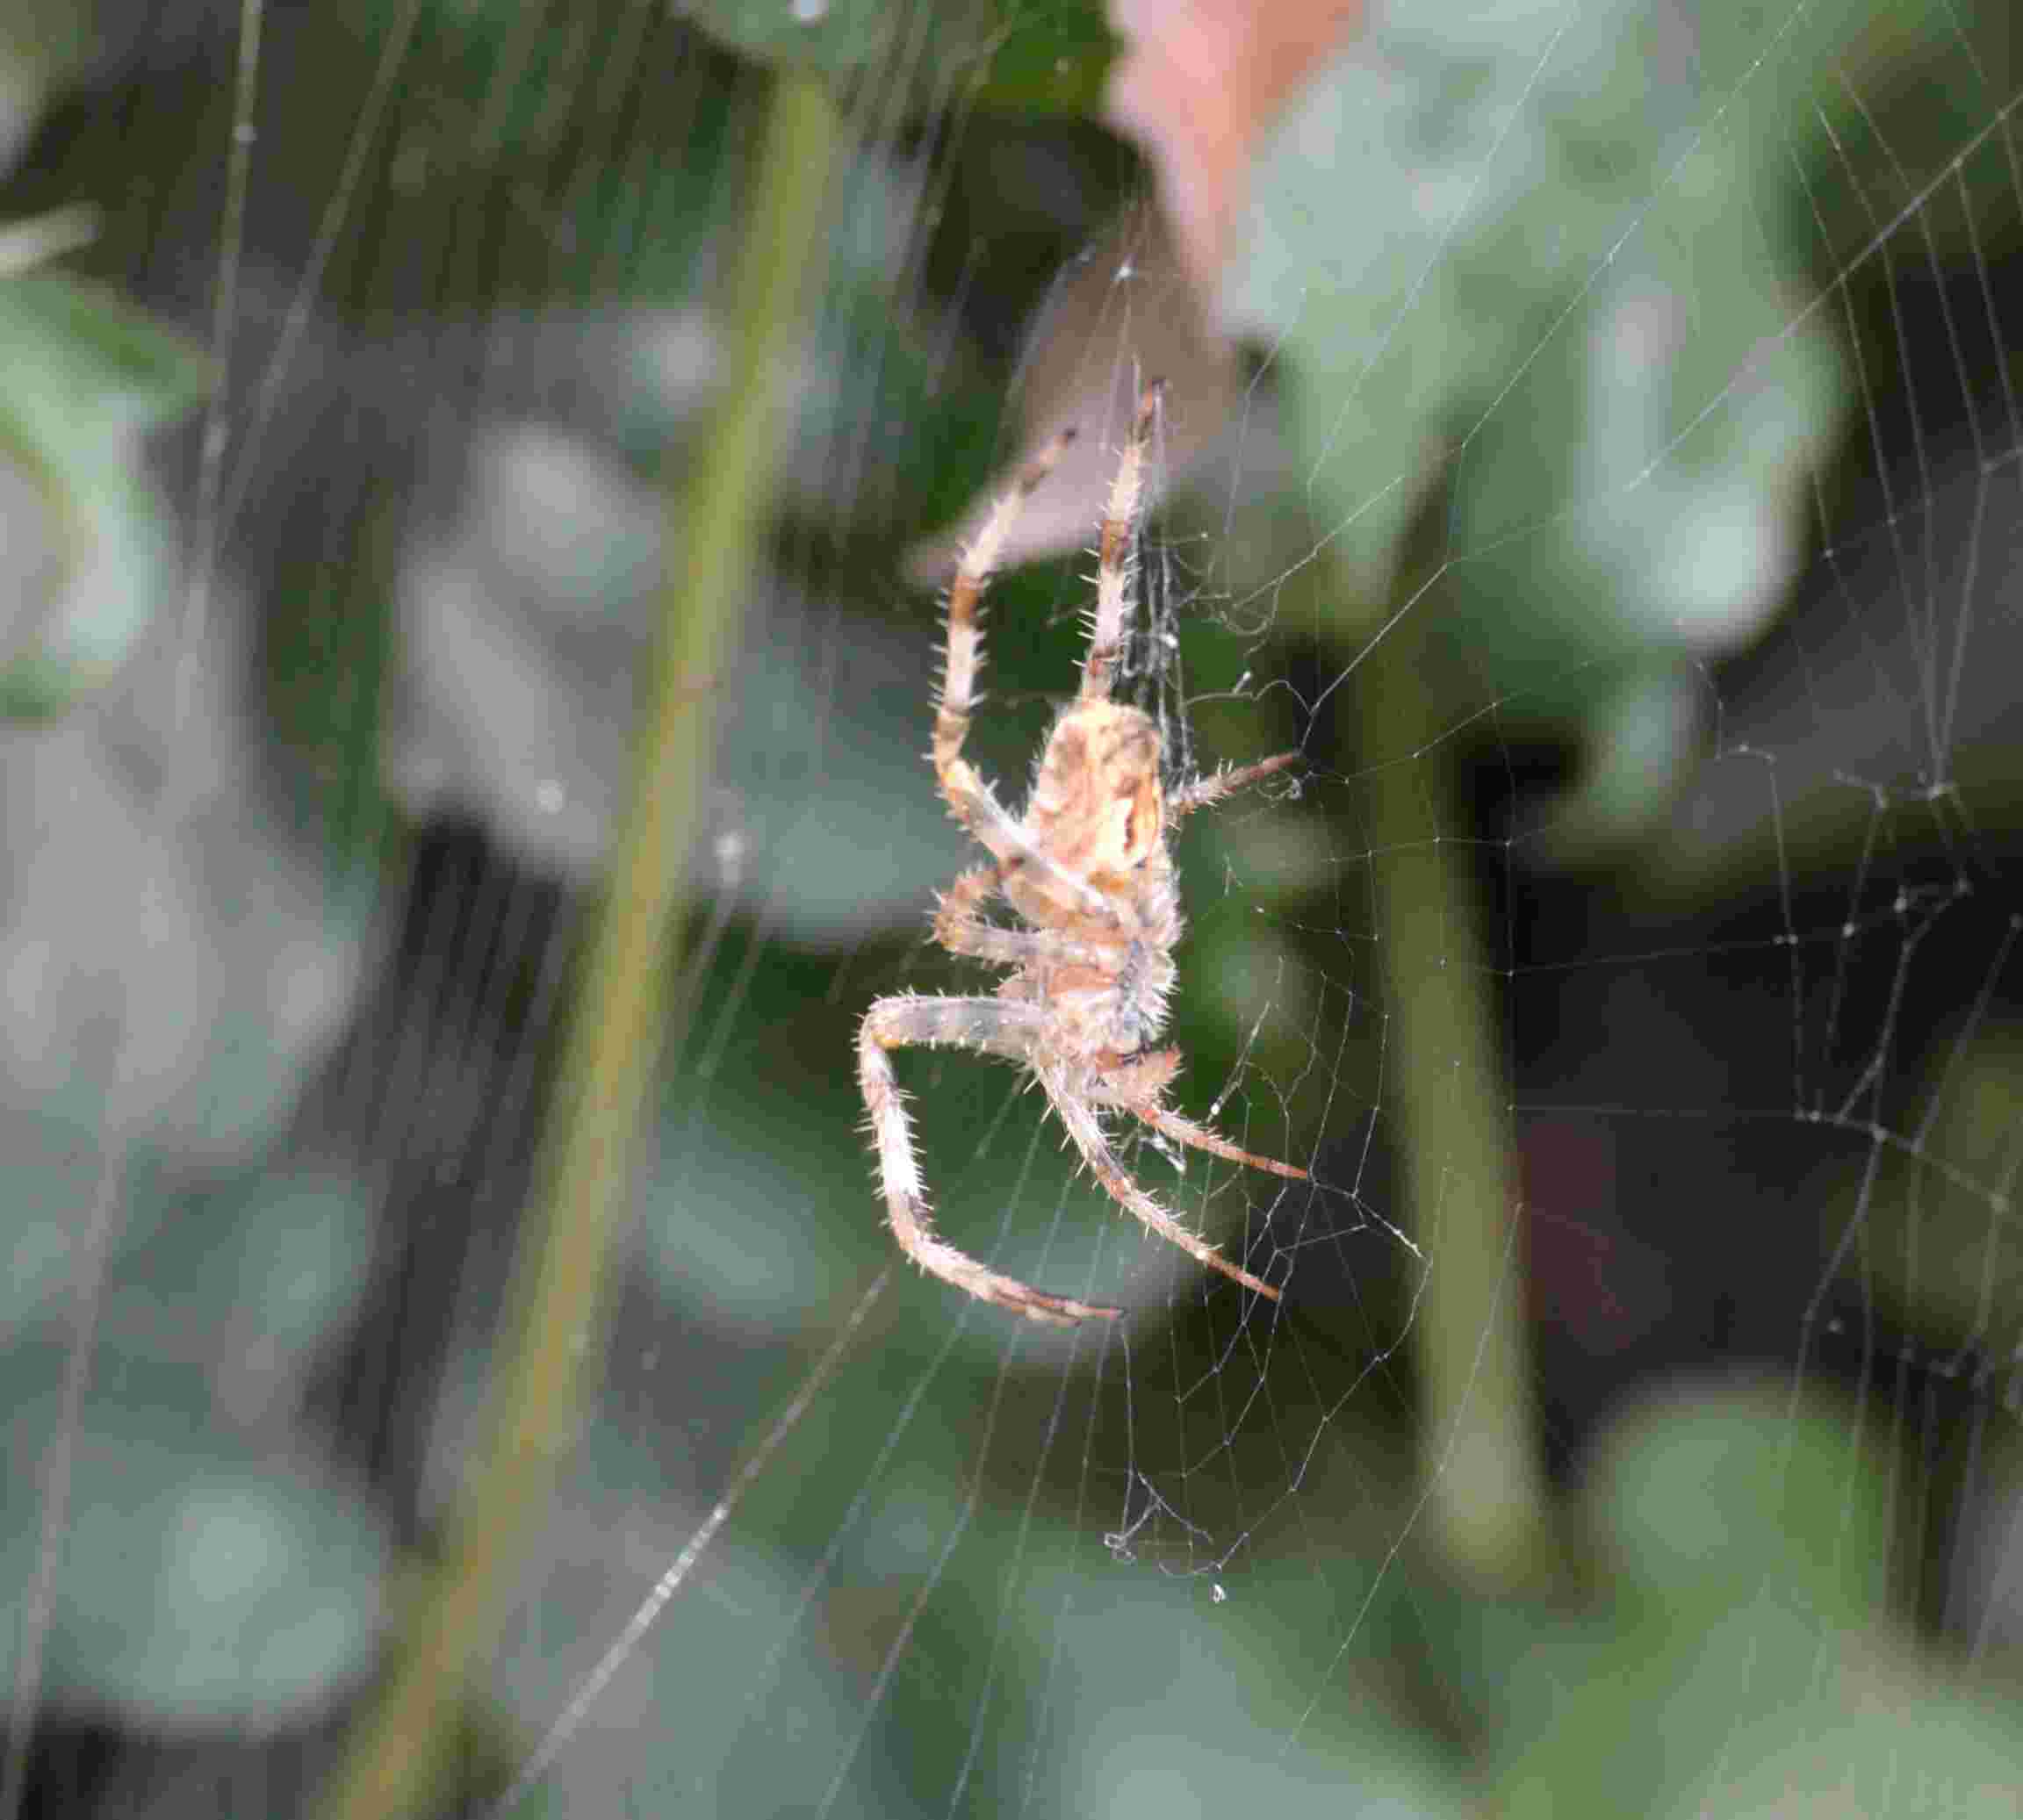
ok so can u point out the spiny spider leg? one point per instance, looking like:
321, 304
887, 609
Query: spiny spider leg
1206, 792
970, 797
961, 929
1116, 551
998, 1028
1103, 1163
1199, 1137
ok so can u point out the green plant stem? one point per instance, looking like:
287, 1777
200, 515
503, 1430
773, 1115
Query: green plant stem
1486, 1490
404, 1749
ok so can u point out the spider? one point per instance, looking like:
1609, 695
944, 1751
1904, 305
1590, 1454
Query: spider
1089, 870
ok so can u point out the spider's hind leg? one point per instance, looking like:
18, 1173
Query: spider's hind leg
994, 1026
1199, 1137
1078, 1114
1137, 1085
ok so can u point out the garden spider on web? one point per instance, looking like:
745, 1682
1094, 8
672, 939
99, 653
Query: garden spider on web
1089, 870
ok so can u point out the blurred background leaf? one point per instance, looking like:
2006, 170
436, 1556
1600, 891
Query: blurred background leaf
91, 566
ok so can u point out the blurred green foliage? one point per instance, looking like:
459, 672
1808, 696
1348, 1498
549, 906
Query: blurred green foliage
1570, 337
208, 1574
87, 377
1045, 56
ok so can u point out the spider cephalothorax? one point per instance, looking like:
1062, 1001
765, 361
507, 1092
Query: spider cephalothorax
1089, 869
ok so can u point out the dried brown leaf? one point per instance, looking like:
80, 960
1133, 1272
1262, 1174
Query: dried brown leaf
1199, 81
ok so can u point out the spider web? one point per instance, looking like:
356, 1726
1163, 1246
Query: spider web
1734, 1250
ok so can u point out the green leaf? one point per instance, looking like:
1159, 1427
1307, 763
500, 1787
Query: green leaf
1752, 1709
41, 42
1936, 1251
1639, 490
1749, 1538
101, 368
203, 1580
52, 1168
84, 377
1506, 256
1052, 55
1712, 1499
1049, 56
269, 1265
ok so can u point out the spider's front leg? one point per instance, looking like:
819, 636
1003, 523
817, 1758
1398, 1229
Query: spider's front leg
1206, 792
968, 795
994, 1027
